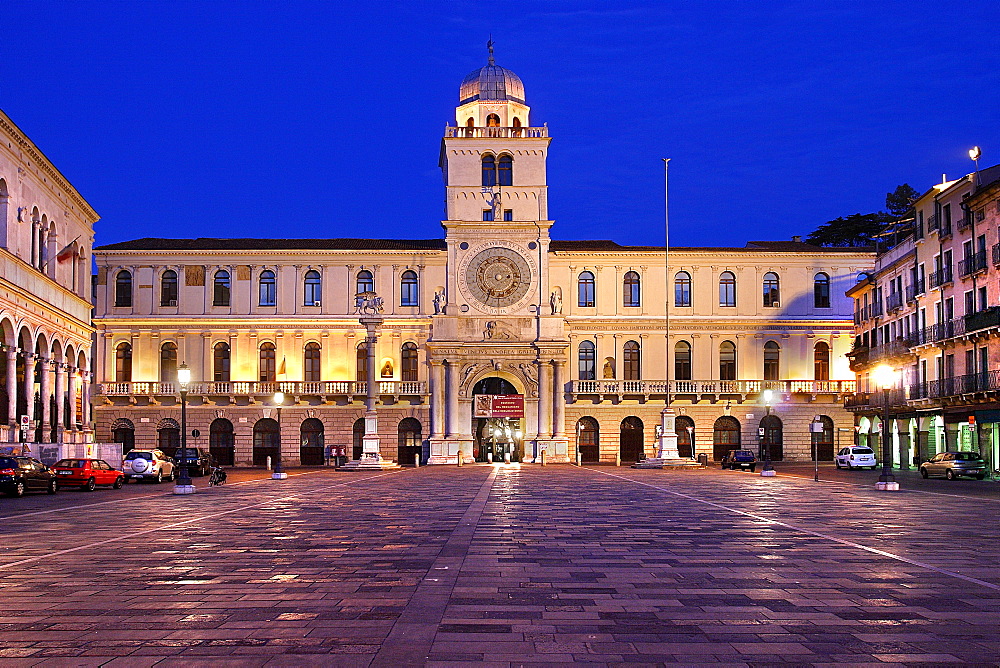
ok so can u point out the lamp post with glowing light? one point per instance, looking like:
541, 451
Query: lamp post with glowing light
184, 484
885, 377
768, 470
279, 401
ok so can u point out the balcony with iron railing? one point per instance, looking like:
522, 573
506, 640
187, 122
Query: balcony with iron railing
938, 332
894, 301
983, 319
915, 290
877, 310
996, 253
262, 389
495, 132
650, 388
985, 381
932, 223
870, 401
941, 277
964, 223
972, 264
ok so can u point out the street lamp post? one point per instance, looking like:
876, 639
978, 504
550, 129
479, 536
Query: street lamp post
815, 429
768, 470
279, 401
184, 484
885, 377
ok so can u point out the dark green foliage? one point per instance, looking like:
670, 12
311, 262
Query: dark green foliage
899, 201
860, 229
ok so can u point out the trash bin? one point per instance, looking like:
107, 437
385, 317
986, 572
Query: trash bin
703, 459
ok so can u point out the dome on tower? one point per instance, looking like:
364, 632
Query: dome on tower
491, 83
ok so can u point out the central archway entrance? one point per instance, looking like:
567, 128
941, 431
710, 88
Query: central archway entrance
495, 438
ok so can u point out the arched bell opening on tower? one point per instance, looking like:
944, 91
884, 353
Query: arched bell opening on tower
498, 435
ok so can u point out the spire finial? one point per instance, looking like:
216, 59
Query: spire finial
489, 45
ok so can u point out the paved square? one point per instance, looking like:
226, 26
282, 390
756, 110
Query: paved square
506, 566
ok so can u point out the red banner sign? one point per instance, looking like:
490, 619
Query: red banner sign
507, 405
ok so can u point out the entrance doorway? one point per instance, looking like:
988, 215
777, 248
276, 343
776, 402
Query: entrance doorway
497, 439
631, 440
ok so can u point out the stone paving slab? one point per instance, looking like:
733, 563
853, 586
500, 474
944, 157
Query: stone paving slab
504, 566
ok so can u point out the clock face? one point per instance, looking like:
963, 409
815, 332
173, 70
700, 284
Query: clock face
498, 277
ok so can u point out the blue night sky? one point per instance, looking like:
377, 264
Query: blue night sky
323, 119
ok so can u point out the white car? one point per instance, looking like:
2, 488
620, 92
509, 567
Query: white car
856, 456
148, 464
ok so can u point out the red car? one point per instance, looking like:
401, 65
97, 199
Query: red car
87, 473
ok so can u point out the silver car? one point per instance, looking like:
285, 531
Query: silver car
148, 465
954, 464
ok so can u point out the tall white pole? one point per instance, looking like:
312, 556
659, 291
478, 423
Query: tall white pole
667, 443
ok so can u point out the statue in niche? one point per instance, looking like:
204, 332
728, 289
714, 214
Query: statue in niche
387, 370
438, 302
555, 301
609, 370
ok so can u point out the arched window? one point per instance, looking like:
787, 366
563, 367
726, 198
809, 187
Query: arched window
588, 440
408, 289
585, 290
409, 441
682, 361
631, 360
489, 170
727, 289
682, 289
311, 442
408, 355
725, 436
266, 441
168, 436
587, 360
123, 288
505, 170
821, 361
123, 362
312, 291
772, 361
771, 444
267, 289
168, 362
821, 291
222, 442
220, 290
727, 360
362, 362
684, 428
168, 288
771, 294
366, 281
630, 289
123, 431
267, 365
311, 362
517, 127
220, 362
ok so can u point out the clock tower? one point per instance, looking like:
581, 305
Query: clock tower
498, 344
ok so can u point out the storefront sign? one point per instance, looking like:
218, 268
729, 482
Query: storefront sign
508, 406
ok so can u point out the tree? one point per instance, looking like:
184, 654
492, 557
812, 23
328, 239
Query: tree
900, 200
855, 230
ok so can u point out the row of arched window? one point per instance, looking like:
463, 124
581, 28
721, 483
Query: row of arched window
587, 361
586, 293
312, 288
267, 362
498, 170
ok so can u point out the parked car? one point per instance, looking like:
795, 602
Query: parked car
954, 464
20, 474
147, 464
740, 459
855, 456
199, 461
88, 473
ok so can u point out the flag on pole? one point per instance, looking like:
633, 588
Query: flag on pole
281, 369
66, 253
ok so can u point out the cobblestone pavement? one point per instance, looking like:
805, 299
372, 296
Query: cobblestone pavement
505, 566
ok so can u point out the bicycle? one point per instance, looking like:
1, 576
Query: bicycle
218, 476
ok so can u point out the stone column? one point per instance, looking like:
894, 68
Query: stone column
45, 390
86, 378
60, 400
451, 398
559, 398
437, 399
29, 389
12, 386
903, 439
370, 442
72, 398
544, 400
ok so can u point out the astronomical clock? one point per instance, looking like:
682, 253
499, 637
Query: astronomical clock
498, 277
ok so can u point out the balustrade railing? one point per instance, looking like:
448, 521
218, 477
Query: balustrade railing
652, 387
263, 388
495, 132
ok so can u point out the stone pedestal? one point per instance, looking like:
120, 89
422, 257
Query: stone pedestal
666, 447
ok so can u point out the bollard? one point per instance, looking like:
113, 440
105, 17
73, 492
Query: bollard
543, 458
269, 462
618, 459
460, 457
579, 458
416, 461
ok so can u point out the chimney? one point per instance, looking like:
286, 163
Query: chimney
797, 239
